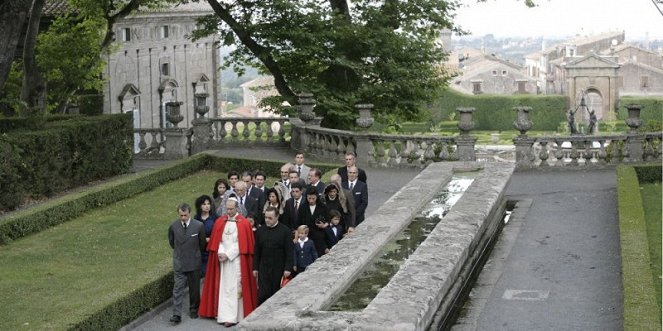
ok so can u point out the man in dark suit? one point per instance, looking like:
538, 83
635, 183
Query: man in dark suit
314, 180
359, 192
350, 162
249, 203
293, 207
187, 238
259, 190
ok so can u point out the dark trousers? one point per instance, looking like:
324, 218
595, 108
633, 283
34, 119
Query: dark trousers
182, 279
269, 282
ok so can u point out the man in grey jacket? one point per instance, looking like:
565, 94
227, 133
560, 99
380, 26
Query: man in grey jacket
187, 238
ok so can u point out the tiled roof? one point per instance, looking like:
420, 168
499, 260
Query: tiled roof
55, 8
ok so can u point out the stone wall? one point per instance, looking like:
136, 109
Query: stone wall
427, 282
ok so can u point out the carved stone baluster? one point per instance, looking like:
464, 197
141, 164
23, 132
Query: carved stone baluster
574, 153
258, 131
380, 153
155, 144
602, 154
245, 131
282, 131
330, 149
405, 152
429, 154
444, 151
234, 133
624, 151
589, 154
543, 154
392, 155
142, 145
270, 132
222, 131
559, 153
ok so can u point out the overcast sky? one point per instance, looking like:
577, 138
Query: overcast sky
561, 18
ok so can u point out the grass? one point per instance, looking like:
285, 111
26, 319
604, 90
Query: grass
651, 202
57, 277
641, 311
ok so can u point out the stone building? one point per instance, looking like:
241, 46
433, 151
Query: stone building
155, 62
480, 73
543, 66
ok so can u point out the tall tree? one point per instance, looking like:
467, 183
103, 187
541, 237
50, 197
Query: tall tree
13, 14
33, 92
382, 52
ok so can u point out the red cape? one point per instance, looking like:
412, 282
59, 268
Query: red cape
209, 302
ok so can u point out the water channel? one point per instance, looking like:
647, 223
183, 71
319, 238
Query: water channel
380, 271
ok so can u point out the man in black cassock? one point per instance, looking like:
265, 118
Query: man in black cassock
273, 256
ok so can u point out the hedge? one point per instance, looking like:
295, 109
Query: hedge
649, 173
495, 112
56, 155
129, 307
641, 310
61, 210
652, 108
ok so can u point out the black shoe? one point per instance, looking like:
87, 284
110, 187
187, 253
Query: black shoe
193, 315
175, 319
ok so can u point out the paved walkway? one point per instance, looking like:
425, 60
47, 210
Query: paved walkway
557, 264
382, 184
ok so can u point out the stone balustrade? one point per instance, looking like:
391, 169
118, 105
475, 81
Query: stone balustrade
248, 130
589, 150
389, 150
150, 143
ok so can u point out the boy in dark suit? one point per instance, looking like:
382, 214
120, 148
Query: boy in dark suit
335, 230
187, 238
304, 249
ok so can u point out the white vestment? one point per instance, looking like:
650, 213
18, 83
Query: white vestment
230, 302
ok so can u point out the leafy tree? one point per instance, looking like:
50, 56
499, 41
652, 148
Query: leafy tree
365, 51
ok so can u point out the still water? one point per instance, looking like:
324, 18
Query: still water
378, 273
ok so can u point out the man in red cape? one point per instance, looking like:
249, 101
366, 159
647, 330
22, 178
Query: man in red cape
209, 303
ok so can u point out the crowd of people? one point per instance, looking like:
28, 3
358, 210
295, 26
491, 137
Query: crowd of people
247, 239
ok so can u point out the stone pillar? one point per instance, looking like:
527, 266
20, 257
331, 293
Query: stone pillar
524, 154
634, 141
364, 150
175, 144
202, 134
465, 143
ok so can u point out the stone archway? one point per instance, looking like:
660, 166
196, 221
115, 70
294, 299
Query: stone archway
595, 103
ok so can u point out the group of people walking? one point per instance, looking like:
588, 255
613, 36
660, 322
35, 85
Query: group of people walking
247, 239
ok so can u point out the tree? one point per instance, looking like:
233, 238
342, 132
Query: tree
365, 51
13, 14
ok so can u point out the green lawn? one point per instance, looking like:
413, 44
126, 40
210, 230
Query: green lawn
651, 201
56, 277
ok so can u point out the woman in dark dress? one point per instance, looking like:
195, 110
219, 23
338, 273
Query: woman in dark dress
206, 215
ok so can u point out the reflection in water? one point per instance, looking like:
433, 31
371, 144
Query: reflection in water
378, 273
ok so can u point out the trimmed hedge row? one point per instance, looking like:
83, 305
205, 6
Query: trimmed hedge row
495, 112
641, 310
30, 123
652, 107
128, 308
66, 208
63, 154
649, 173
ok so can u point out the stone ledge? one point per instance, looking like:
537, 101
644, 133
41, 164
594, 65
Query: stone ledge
409, 301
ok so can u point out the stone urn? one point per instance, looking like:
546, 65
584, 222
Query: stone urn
306, 105
465, 123
201, 106
365, 119
173, 112
522, 123
633, 121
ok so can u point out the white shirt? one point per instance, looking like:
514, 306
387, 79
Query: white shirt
301, 242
